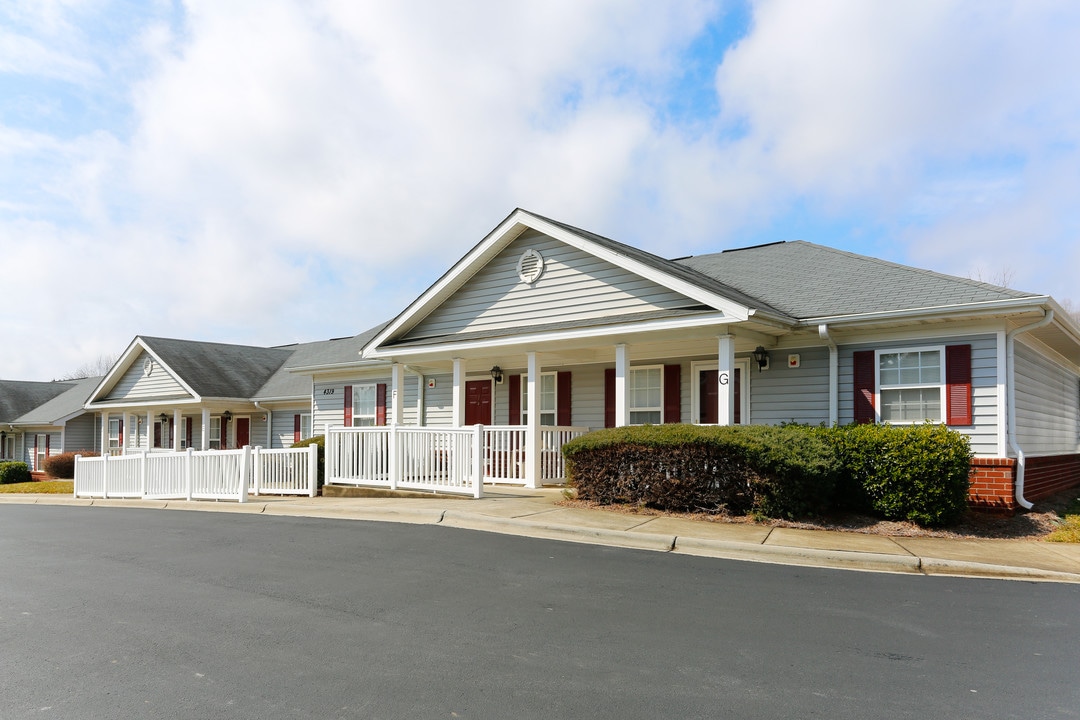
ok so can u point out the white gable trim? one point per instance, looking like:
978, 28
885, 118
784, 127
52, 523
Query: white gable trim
125, 362
508, 231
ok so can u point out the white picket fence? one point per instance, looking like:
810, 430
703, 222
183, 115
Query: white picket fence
205, 475
453, 460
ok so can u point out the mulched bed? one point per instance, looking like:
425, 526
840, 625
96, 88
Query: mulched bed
1034, 524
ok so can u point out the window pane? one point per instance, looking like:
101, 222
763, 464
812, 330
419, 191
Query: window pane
651, 417
911, 405
364, 400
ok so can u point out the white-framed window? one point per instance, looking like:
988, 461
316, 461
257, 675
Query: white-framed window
911, 385
646, 395
114, 432
363, 400
549, 399
305, 426
7, 448
215, 433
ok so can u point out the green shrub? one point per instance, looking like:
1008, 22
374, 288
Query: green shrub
320, 441
62, 466
917, 472
14, 472
786, 471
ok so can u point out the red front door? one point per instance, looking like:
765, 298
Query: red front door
243, 432
709, 396
478, 402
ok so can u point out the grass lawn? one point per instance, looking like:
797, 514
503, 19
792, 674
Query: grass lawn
53, 487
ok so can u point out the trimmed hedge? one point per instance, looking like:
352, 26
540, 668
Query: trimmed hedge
693, 468
62, 466
14, 472
319, 440
917, 473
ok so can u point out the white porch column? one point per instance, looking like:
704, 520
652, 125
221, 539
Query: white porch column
420, 382
532, 425
622, 377
726, 378
397, 394
149, 430
459, 392
205, 439
105, 433
178, 427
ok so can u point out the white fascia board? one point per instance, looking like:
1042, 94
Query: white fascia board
160, 402
124, 364
331, 367
1065, 320
480, 254
506, 233
557, 335
282, 399
981, 308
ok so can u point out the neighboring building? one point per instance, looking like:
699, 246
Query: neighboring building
41, 419
593, 333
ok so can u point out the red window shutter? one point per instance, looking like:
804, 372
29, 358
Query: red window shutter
672, 394
47, 438
157, 433
121, 432
296, 428
863, 371
958, 385
609, 397
380, 404
34, 458
737, 410
187, 430
348, 406
515, 400
562, 399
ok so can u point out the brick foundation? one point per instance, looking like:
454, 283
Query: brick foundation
993, 480
992, 485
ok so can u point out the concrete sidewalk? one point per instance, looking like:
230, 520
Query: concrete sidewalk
535, 513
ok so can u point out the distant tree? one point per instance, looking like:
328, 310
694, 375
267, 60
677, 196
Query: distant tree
93, 368
1072, 308
1001, 278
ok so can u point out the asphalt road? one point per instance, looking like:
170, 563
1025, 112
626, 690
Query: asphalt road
130, 613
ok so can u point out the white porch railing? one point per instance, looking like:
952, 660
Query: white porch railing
207, 475
442, 459
415, 458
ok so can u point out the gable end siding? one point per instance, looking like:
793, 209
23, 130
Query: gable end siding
135, 385
1046, 404
574, 286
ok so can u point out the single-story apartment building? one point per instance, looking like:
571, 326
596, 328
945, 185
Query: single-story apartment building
543, 324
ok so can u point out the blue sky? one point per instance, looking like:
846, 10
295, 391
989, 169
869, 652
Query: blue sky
272, 171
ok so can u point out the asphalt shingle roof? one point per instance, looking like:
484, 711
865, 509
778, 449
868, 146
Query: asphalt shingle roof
805, 280
217, 369
18, 397
285, 383
67, 403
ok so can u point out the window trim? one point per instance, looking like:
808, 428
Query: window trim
114, 440
523, 416
210, 439
309, 434
630, 408
942, 384
357, 416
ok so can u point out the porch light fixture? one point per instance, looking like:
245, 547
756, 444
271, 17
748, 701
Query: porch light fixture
497, 374
164, 418
761, 357
226, 416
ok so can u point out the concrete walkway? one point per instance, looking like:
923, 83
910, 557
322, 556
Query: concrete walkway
535, 513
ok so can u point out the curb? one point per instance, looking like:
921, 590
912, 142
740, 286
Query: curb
879, 562
593, 536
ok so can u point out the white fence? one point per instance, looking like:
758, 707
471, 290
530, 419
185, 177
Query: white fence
207, 475
455, 460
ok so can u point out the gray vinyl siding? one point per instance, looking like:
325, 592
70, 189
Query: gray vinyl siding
1047, 399
783, 394
984, 381
136, 385
439, 400
283, 425
79, 434
328, 400
575, 285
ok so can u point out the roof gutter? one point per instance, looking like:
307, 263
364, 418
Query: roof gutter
1010, 339
269, 424
1034, 301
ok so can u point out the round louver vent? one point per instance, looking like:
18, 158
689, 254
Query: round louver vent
531, 266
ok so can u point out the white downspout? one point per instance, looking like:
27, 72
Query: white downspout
269, 425
834, 375
1013, 444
